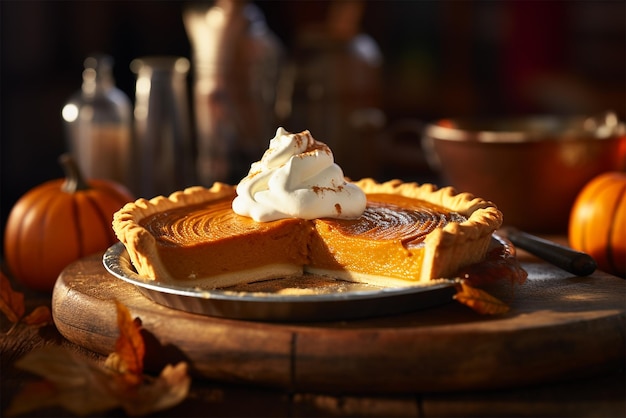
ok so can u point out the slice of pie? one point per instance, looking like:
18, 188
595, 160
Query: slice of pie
408, 234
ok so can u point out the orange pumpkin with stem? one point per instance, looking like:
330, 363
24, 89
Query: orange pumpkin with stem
598, 222
58, 222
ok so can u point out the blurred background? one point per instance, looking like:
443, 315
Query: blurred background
436, 59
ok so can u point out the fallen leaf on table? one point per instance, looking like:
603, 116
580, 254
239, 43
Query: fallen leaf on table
75, 383
129, 347
500, 265
11, 302
168, 390
479, 300
85, 387
40, 316
13, 307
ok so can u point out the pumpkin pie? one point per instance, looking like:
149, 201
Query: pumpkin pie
408, 234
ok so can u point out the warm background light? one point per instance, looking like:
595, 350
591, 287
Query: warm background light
441, 59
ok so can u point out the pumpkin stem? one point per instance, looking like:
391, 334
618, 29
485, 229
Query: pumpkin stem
74, 180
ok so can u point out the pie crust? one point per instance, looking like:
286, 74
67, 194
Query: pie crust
177, 238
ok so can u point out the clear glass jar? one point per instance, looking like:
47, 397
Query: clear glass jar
164, 149
98, 123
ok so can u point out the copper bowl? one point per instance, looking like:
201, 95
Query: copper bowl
532, 168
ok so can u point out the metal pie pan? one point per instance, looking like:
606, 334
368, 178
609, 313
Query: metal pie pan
331, 300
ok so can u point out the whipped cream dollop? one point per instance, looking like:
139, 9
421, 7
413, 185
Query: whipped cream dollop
297, 178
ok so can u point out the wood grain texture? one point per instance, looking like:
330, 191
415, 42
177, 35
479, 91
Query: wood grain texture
559, 326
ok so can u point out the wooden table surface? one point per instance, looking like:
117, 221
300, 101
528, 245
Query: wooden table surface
596, 394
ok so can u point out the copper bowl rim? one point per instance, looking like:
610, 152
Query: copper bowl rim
526, 129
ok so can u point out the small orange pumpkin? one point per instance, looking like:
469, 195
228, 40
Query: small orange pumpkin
598, 222
59, 222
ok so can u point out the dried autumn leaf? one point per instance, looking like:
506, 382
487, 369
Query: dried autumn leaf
479, 300
168, 390
78, 384
500, 265
11, 302
40, 316
84, 387
129, 347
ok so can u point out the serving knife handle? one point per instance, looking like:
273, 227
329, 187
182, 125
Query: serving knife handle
575, 262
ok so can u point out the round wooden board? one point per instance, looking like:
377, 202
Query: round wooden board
559, 327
